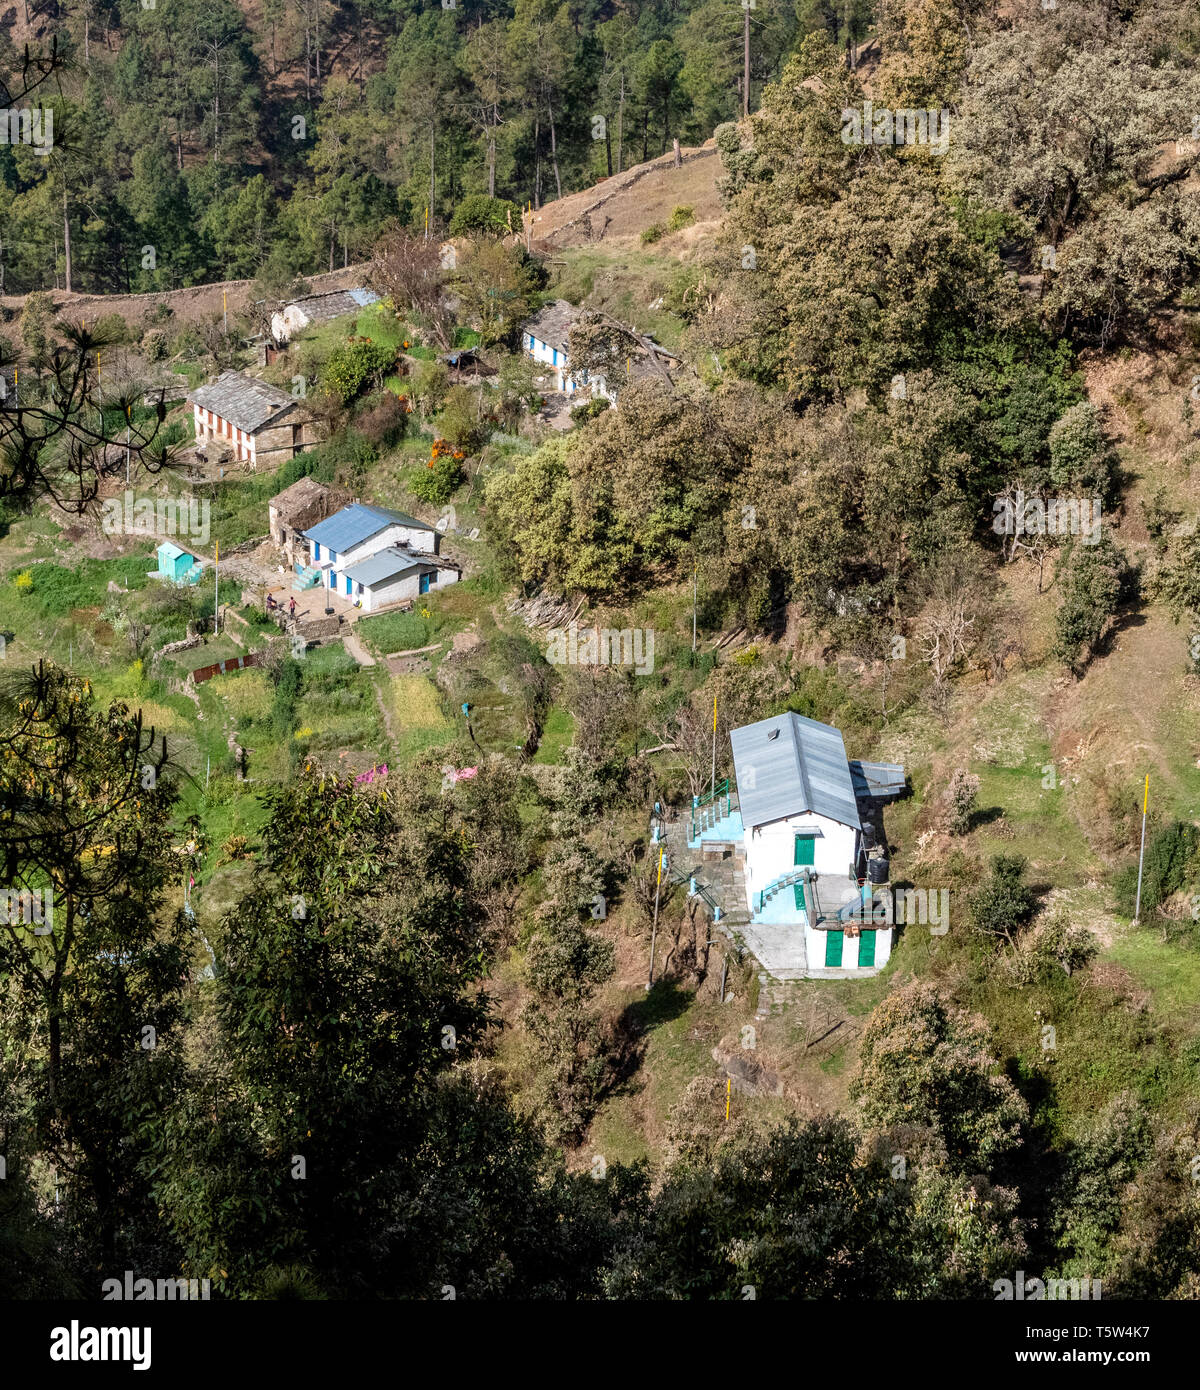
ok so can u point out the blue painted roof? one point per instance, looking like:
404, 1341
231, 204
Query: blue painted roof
357, 523
169, 551
386, 564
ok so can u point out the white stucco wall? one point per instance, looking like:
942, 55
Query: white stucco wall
770, 852
542, 352
404, 586
290, 321
424, 539
815, 942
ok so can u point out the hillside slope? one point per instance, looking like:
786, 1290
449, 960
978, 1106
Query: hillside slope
619, 209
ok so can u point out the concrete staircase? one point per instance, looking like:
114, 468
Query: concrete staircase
788, 880
717, 829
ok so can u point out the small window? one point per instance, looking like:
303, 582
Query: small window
773, 735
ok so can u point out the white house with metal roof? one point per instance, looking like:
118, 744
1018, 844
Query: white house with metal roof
374, 555
810, 862
396, 574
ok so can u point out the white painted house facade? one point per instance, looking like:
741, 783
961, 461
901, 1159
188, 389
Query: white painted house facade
375, 556
805, 848
544, 338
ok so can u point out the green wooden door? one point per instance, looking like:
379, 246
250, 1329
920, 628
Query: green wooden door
833, 948
866, 948
804, 856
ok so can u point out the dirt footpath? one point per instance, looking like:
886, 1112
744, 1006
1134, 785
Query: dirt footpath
190, 304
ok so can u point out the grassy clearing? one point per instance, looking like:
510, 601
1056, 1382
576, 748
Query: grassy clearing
558, 732
398, 632
1034, 821
1171, 973
623, 285
678, 1033
417, 717
246, 695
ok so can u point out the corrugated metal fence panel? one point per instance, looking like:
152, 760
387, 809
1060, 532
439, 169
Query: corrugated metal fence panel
221, 668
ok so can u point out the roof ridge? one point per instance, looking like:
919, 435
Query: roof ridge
801, 769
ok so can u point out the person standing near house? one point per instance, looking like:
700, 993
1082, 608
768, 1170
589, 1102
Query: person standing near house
291, 608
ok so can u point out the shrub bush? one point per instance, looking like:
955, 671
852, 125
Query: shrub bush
964, 788
441, 477
383, 419
479, 213
352, 365
154, 345
581, 414
1170, 860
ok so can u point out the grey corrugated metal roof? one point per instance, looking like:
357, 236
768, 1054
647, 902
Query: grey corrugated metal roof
876, 779
386, 564
244, 401
802, 768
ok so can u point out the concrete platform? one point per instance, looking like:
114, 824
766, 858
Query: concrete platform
779, 949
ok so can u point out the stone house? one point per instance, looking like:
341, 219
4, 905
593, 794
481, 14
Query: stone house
252, 418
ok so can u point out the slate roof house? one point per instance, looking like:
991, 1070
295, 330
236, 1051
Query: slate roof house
374, 556
252, 418
318, 308
544, 338
802, 821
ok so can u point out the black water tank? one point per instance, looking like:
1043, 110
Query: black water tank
877, 869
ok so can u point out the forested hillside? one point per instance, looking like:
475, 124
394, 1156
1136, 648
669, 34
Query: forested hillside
389, 958
206, 140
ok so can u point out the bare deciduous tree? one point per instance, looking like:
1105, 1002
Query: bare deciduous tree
409, 271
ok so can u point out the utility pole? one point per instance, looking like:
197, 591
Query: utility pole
746, 4
1137, 910
693, 612
217, 588
712, 786
654, 930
